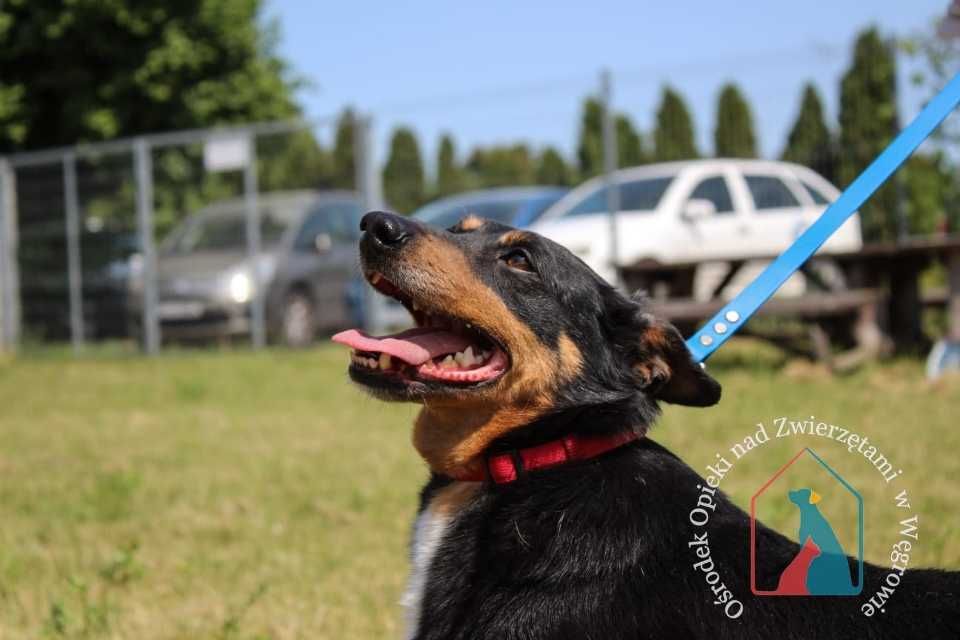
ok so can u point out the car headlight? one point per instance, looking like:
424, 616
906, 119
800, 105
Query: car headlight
240, 287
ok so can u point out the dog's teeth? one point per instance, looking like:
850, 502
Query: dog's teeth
375, 278
469, 326
385, 361
415, 306
459, 357
468, 357
372, 363
448, 363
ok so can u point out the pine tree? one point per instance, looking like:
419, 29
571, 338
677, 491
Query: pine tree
809, 142
630, 152
733, 136
552, 169
344, 158
673, 136
403, 182
868, 122
449, 175
590, 144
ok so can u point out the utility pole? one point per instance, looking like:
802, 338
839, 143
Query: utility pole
609, 169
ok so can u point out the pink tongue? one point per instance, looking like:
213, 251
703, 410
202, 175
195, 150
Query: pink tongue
413, 346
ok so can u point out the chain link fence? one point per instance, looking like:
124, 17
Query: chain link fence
221, 233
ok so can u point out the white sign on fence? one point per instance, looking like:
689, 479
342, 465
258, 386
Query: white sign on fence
226, 153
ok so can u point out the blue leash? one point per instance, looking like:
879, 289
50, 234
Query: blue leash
735, 313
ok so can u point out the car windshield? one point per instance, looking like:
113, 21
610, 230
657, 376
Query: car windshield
226, 231
443, 214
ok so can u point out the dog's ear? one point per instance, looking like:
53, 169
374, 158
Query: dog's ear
665, 369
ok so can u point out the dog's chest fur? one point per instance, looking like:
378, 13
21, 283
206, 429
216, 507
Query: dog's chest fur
440, 508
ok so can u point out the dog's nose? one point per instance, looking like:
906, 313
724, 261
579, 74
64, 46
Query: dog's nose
388, 229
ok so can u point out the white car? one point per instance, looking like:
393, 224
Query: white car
696, 211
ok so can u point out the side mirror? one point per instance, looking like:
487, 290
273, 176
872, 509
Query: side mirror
322, 242
698, 209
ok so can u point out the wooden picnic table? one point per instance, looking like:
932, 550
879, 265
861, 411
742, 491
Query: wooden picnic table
879, 307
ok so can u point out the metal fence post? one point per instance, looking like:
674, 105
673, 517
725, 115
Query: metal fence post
258, 333
74, 262
609, 168
9, 276
368, 186
143, 166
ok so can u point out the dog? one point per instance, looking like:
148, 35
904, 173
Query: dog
549, 513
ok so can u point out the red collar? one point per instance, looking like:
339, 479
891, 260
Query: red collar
507, 467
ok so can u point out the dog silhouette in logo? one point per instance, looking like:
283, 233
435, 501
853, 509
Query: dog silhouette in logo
821, 567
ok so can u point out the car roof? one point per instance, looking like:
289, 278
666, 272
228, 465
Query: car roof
664, 168
305, 196
495, 193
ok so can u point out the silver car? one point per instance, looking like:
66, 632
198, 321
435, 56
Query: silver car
308, 267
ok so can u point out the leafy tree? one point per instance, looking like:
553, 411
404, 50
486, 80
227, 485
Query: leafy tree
552, 169
344, 162
501, 166
449, 175
868, 122
733, 136
91, 70
931, 194
809, 142
673, 135
403, 182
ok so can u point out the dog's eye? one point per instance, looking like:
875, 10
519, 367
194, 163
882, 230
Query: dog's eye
517, 259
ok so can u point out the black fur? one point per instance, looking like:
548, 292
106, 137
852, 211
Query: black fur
599, 549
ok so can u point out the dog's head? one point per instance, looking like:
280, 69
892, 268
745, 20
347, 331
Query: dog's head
510, 327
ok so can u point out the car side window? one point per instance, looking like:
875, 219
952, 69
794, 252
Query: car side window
635, 195
596, 202
715, 190
770, 192
344, 220
315, 224
815, 194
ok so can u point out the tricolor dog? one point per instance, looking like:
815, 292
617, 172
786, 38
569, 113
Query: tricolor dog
549, 513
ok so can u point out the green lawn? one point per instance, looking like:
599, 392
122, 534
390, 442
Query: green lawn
240, 495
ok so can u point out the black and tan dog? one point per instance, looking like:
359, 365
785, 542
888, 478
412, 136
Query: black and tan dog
548, 513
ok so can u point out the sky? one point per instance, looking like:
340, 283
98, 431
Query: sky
501, 72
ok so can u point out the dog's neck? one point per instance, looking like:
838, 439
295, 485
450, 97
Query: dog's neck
454, 441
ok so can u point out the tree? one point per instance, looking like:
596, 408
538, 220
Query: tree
868, 122
403, 182
673, 136
449, 175
931, 194
344, 158
87, 70
630, 152
590, 158
809, 142
552, 169
501, 166
733, 136
590, 145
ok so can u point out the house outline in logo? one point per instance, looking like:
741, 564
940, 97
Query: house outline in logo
852, 590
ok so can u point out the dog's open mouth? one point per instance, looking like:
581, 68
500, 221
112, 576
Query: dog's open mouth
440, 350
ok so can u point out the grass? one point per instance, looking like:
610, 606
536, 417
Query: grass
242, 495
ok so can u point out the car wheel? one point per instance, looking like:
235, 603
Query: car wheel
298, 322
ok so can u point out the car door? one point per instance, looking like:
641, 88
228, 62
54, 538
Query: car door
717, 230
777, 215
324, 259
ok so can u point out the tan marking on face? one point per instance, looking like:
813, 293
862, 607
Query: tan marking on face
512, 238
451, 433
470, 223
